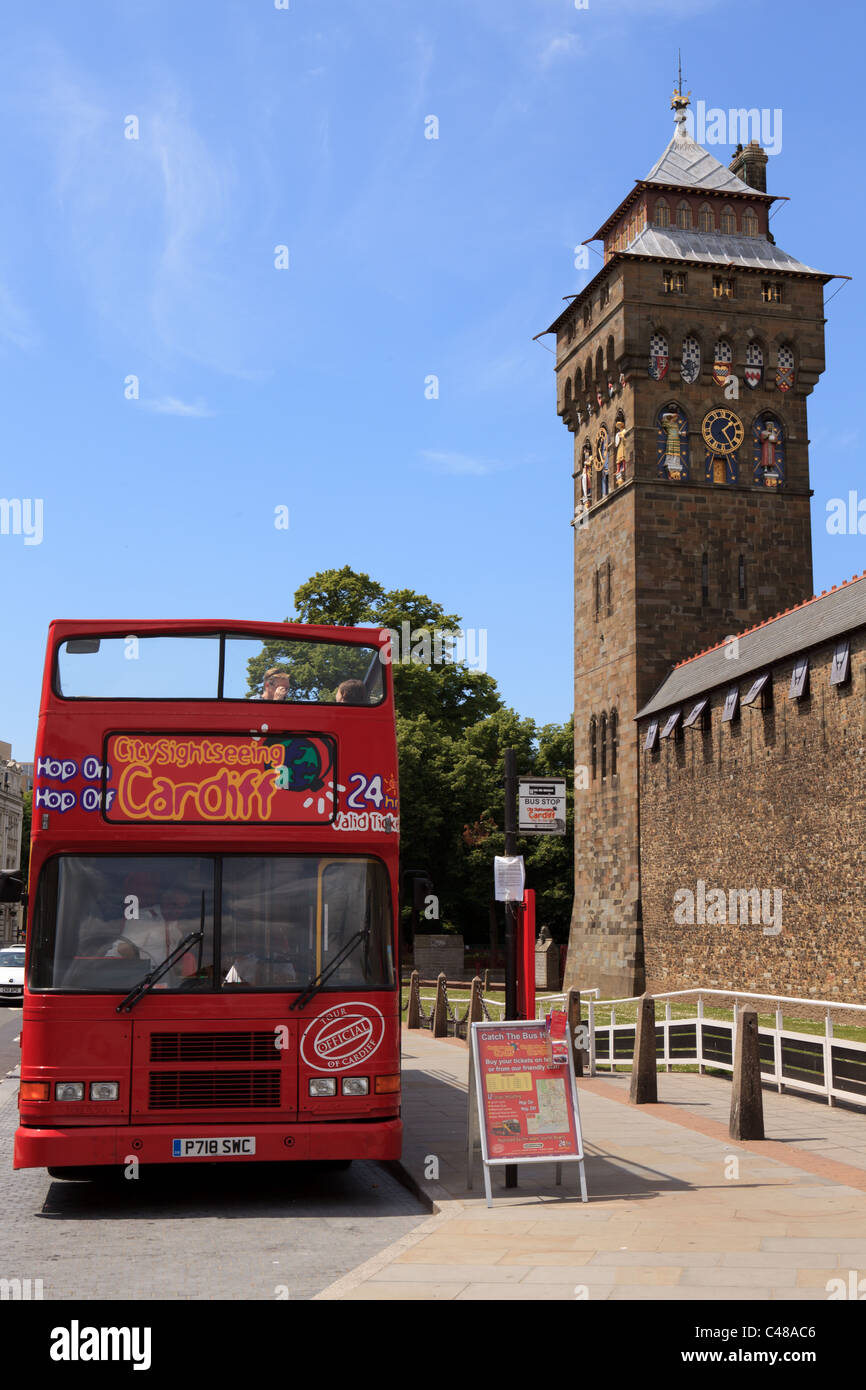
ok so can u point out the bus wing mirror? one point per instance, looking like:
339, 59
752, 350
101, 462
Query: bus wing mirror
11, 888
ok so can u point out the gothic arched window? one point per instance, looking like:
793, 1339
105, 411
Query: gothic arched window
614, 720
662, 213
610, 354
599, 366
741, 580
723, 356
750, 222
577, 382
785, 368
684, 216
592, 745
754, 372
603, 742
690, 361
728, 221
706, 219
658, 356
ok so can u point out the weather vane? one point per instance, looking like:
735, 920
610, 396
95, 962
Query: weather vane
678, 101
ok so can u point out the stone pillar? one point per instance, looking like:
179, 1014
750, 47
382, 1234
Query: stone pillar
440, 1012
413, 1011
574, 1021
747, 1100
644, 1083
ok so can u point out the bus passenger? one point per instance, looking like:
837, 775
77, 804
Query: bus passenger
275, 685
352, 693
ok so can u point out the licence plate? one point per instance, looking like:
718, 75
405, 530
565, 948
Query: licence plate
213, 1148
11, 989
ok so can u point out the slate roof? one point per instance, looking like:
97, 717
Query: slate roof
819, 619
751, 252
687, 164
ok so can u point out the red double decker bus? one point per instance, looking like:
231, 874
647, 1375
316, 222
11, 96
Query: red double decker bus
212, 920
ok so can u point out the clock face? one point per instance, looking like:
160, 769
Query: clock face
722, 431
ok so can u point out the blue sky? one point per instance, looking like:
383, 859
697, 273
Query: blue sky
408, 257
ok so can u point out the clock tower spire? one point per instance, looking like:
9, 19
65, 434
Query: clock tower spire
683, 370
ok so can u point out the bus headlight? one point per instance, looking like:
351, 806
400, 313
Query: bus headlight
356, 1085
104, 1090
69, 1090
323, 1086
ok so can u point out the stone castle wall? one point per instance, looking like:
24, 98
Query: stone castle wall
775, 801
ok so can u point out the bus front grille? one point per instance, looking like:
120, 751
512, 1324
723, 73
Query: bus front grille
203, 1090
213, 1047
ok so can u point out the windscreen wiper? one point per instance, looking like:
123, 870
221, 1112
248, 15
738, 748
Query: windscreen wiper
327, 971
157, 973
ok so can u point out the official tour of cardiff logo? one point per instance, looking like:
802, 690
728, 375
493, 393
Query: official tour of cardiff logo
343, 1036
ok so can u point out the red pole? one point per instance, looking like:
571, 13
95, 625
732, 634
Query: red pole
527, 955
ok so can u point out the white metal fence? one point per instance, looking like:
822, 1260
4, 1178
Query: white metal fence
817, 1063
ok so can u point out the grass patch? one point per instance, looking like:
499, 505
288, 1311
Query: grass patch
627, 1013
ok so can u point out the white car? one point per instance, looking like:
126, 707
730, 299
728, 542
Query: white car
11, 974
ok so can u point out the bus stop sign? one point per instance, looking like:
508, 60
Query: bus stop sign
541, 806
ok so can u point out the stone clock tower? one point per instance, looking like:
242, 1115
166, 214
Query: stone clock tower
682, 372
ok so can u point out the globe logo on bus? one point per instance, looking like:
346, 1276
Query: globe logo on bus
302, 763
343, 1036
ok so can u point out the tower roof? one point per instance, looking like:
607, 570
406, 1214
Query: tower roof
686, 164
752, 253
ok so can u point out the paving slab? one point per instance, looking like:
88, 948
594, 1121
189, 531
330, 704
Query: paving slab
677, 1210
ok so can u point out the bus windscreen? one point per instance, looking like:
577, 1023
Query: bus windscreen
102, 923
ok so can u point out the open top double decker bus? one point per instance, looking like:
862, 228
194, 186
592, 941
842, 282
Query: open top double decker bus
212, 916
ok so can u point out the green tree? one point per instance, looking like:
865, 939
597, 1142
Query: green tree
452, 732
24, 869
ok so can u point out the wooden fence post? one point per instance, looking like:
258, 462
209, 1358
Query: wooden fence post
747, 1100
644, 1084
574, 1021
413, 1011
440, 1013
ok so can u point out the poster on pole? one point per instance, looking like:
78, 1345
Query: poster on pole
541, 806
509, 878
526, 1101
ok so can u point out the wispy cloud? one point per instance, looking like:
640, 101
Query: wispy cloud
459, 465
151, 224
171, 405
563, 46
16, 326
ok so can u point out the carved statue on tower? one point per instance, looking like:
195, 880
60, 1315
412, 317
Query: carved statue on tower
619, 438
